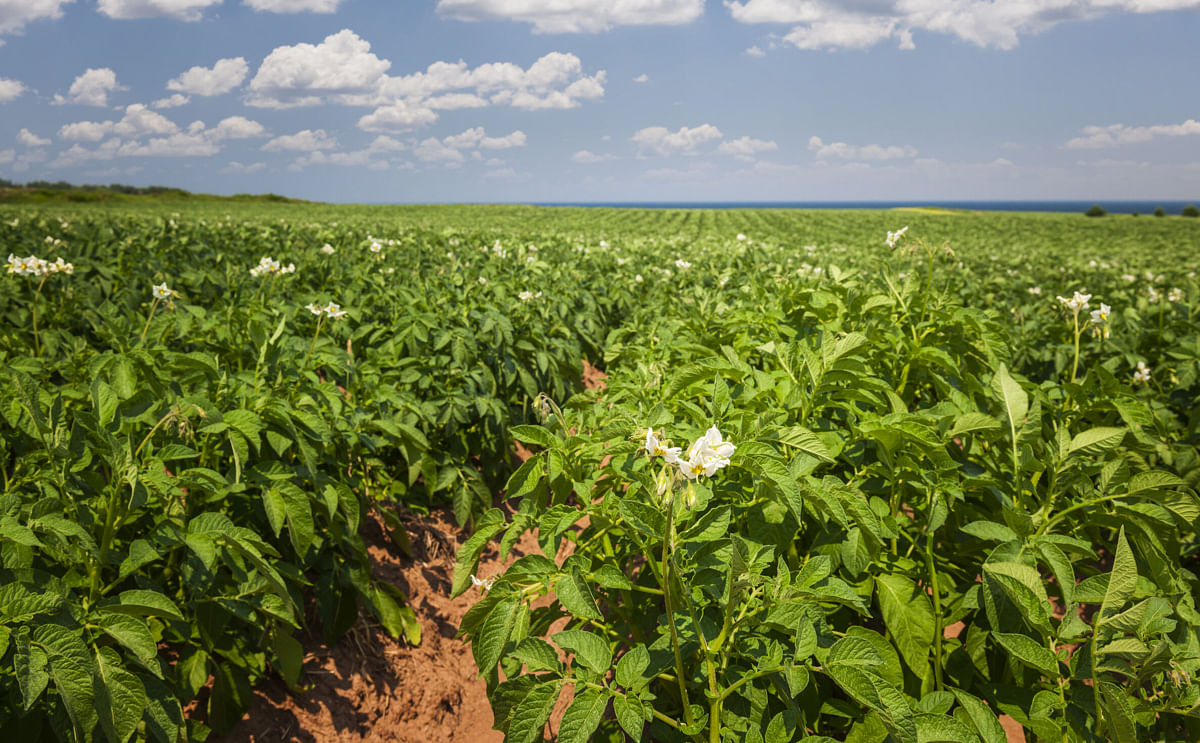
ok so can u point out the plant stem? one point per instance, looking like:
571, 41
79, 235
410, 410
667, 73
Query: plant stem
146, 328
666, 570
1075, 363
938, 627
311, 346
37, 295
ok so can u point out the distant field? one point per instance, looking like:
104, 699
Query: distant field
929, 483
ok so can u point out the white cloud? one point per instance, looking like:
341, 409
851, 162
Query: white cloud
1114, 135
642, 78
176, 145
29, 139
356, 159
14, 14
175, 101
85, 131
747, 147
10, 89
237, 127
302, 141
91, 88
341, 66
584, 157
659, 140
516, 139
398, 116
858, 24
7, 156
384, 143
575, 16
556, 80
140, 120
755, 51
237, 168
224, 76
77, 154
452, 101
433, 150
293, 6
184, 10
844, 151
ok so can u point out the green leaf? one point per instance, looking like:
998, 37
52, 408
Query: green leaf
1016, 402
530, 716
971, 422
799, 437
990, 530
1118, 714
488, 645
146, 604
646, 519
874, 693
120, 697
629, 713
943, 729
132, 633
298, 509
591, 651
583, 716
981, 717
230, 698
71, 668
1122, 580
534, 435
289, 658
467, 561
1029, 651
1095, 441
29, 664
631, 668
275, 508
908, 615
576, 596
537, 655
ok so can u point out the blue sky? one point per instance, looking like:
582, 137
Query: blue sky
626, 100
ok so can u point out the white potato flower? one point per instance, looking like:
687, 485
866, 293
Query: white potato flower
1175, 295
706, 455
657, 448
161, 291
682, 265
328, 249
894, 237
484, 584
1142, 375
1100, 316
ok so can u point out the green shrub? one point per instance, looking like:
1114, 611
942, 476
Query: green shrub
1159, 211
1190, 211
1095, 211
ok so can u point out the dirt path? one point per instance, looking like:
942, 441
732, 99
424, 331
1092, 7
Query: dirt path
369, 686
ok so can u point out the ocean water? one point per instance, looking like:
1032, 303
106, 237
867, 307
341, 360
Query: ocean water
1075, 207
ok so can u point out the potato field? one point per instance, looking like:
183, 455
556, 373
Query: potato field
854, 476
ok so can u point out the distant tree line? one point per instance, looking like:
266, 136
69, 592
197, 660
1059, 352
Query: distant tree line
1191, 210
115, 187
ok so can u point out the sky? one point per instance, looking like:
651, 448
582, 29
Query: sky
386, 101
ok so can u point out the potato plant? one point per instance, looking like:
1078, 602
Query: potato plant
911, 538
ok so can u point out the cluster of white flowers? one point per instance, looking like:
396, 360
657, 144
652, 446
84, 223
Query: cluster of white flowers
482, 281
332, 310
705, 456
34, 266
1142, 375
54, 242
498, 250
604, 243
682, 265
525, 296
376, 247
1175, 295
741, 237
894, 237
271, 267
1129, 277
1035, 291
1154, 295
638, 278
328, 249
620, 261
161, 291
1077, 303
